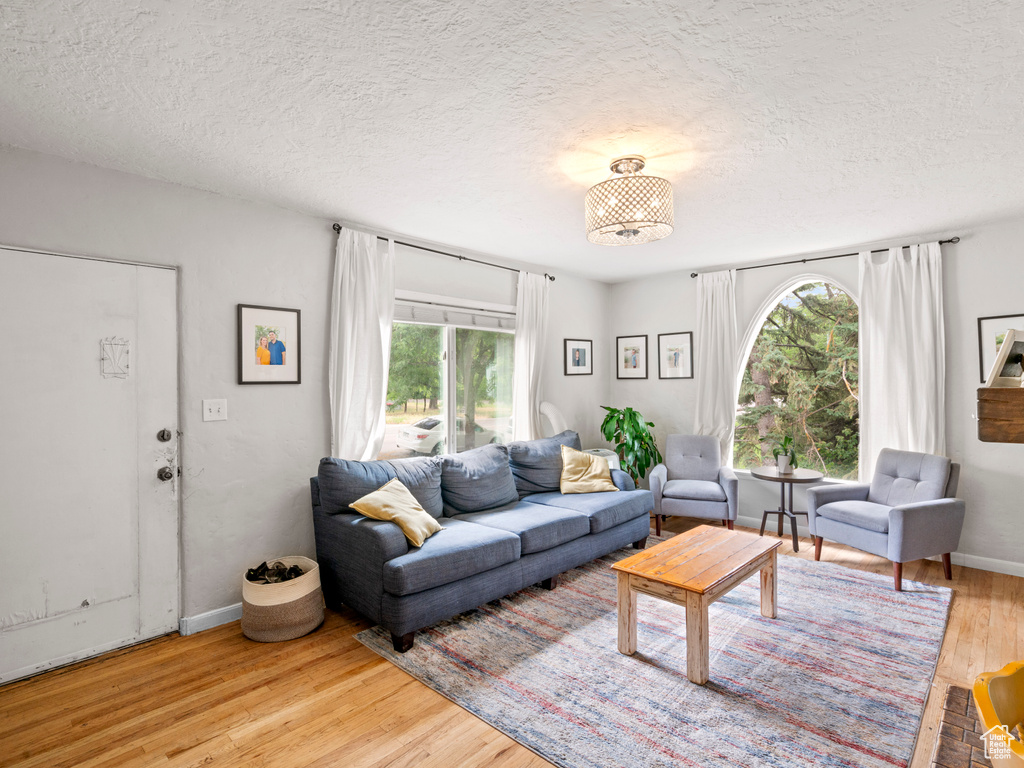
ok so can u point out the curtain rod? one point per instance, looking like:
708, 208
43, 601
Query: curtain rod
823, 258
337, 228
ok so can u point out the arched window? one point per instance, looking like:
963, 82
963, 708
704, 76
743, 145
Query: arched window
801, 381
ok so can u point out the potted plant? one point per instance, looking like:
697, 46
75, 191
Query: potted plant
785, 456
634, 443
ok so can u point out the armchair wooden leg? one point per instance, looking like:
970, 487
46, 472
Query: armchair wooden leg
897, 576
947, 567
657, 525
817, 547
402, 643
730, 524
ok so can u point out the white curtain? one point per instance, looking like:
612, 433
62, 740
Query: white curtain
531, 322
362, 307
717, 358
902, 354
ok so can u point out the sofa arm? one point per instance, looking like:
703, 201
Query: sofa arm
730, 484
658, 478
925, 529
351, 550
622, 480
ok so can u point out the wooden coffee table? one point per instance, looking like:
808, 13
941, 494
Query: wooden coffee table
694, 569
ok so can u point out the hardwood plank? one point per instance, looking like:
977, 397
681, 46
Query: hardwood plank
341, 700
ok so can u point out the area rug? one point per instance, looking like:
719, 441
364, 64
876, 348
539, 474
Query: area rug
840, 678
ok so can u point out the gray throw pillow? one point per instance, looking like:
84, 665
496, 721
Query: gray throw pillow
476, 480
343, 481
537, 464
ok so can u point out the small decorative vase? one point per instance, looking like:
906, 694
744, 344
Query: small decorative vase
783, 464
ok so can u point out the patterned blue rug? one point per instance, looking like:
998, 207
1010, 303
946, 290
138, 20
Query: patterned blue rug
839, 679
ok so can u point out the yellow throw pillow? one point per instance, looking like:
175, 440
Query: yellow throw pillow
394, 502
584, 473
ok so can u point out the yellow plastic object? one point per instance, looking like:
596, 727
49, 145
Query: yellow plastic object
999, 697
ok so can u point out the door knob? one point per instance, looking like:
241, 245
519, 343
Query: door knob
164, 435
165, 473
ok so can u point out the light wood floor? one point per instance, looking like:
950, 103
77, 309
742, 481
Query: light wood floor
216, 698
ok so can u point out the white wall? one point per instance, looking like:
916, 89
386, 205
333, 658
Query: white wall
244, 483
244, 487
577, 309
976, 285
983, 277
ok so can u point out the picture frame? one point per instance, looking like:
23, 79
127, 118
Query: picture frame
991, 332
631, 357
675, 355
280, 362
579, 357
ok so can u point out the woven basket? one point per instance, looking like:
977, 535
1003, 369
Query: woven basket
286, 610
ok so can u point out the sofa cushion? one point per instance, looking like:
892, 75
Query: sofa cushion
903, 477
456, 552
693, 457
395, 504
697, 490
538, 527
476, 480
342, 481
862, 514
422, 476
537, 464
605, 510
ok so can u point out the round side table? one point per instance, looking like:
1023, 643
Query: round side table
790, 479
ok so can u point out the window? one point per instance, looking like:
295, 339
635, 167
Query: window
801, 380
436, 399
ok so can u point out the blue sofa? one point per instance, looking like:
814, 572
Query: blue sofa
505, 526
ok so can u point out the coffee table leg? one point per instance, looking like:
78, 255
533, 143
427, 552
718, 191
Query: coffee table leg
769, 589
697, 652
627, 616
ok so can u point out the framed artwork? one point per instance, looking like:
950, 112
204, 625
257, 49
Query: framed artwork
269, 345
631, 357
675, 355
579, 357
991, 332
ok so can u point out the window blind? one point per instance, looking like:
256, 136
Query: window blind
438, 313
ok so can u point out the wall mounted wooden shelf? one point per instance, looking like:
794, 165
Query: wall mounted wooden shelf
1001, 414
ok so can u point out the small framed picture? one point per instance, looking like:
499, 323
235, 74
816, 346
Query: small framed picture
675, 355
579, 357
631, 357
991, 332
269, 345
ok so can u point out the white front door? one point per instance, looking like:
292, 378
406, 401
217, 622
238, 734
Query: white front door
88, 529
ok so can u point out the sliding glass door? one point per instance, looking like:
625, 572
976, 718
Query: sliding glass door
449, 389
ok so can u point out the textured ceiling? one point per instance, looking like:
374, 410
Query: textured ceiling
784, 127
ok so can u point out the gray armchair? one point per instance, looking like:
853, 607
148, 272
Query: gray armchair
692, 481
907, 512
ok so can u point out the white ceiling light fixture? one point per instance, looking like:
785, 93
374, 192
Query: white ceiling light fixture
629, 208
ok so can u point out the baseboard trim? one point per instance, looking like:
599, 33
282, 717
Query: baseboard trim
1008, 567
189, 625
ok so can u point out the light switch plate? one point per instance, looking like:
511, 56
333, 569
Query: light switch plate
215, 410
